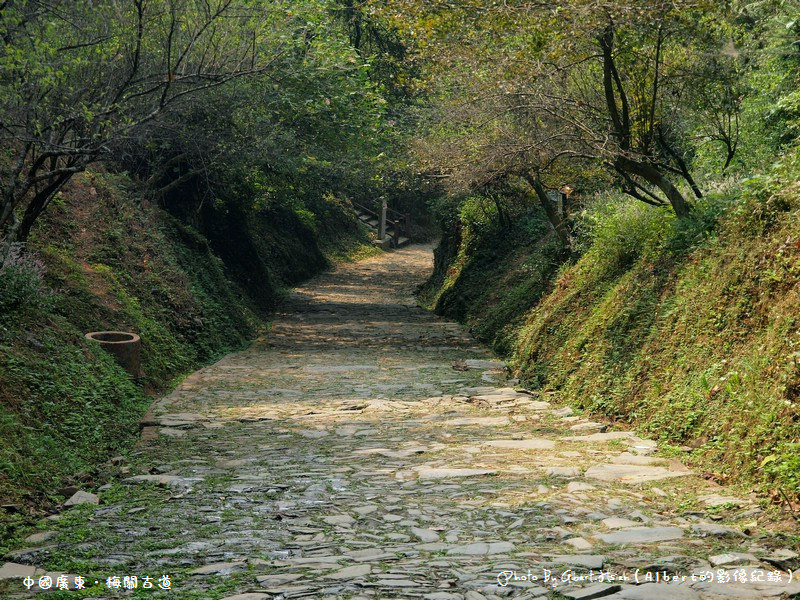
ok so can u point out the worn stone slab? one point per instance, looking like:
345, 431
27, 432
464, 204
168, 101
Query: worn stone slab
483, 421
11, 570
579, 486
81, 497
587, 427
599, 437
626, 458
732, 558
529, 444
445, 473
751, 591
587, 561
598, 590
578, 543
425, 535
350, 572
248, 596
338, 519
642, 535
479, 548
268, 580
618, 523
477, 364
631, 473
222, 568
562, 471
717, 500
657, 591
160, 479
42, 536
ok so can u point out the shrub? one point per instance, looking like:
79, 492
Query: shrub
21, 281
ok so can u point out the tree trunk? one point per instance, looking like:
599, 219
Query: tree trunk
559, 224
653, 176
38, 204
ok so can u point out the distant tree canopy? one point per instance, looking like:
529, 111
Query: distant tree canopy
285, 100
172, 88
622, 92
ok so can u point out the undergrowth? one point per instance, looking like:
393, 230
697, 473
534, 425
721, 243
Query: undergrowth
104, 258
687, 328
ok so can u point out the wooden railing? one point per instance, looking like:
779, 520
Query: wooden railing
394, 219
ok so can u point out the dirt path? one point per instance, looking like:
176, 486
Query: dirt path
343, 456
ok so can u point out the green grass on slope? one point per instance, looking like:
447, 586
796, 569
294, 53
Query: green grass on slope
100, 261
690, 329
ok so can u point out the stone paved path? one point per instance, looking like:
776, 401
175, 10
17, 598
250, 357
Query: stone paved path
367, 449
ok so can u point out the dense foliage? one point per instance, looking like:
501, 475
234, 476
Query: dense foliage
670, 129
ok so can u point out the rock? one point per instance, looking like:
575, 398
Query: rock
750, 590
562, 412
339, 520
477, 364
716, 500
390, 518
587, 561
223, 568
715, 530
432, 547
425, 535
484, 421
579, 486
81, 497
634, 459
444, 473
323, 562
631, 473
733, 558
248, 596
68, 490
171, 432
579, 543
559, 471
599, 437
598, 590
313, 433
16, 571
587, 427
660, 591
38, 538
618, 523
268, 580
350, 572
158, 479
365, 510
478, 548
783, 559
529, 444
642, 535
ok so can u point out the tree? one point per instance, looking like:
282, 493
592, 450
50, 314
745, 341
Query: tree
610, 78
76, 77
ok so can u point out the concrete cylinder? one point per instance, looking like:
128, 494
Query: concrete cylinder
123, 346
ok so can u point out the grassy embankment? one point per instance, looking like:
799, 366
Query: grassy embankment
105, 259
689, 330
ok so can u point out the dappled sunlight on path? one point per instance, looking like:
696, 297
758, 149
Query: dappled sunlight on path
365, 448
